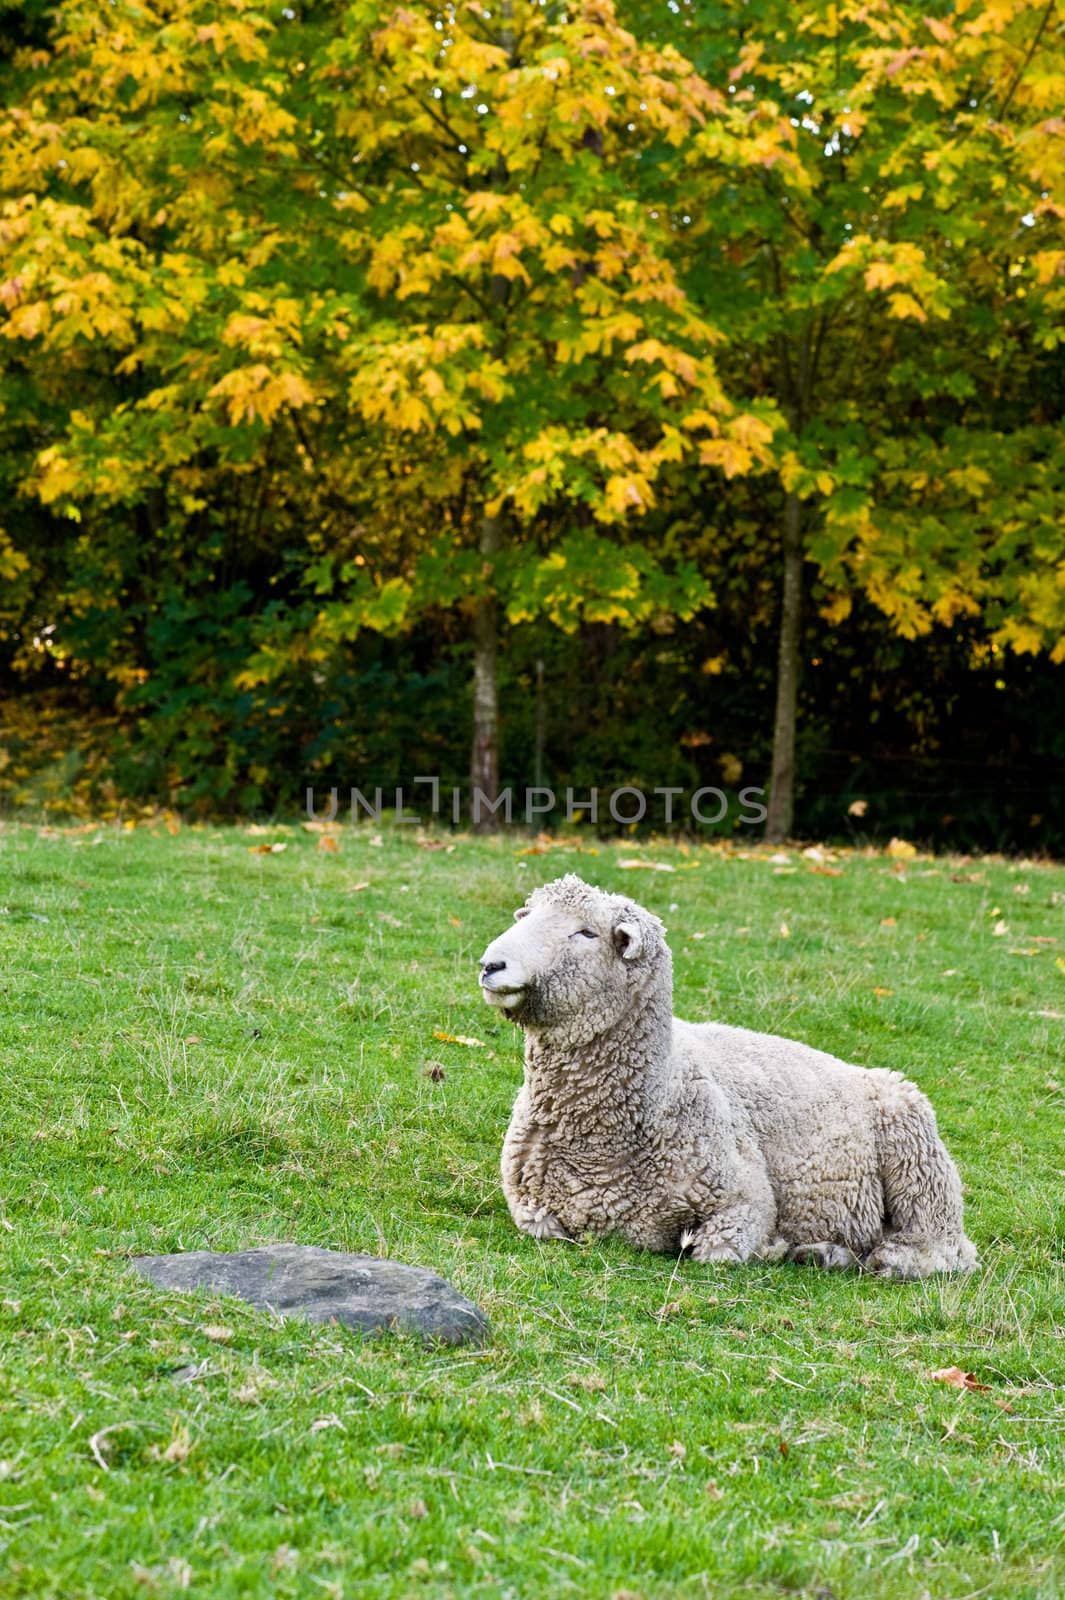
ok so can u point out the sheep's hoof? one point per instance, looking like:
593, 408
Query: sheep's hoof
908, 1263
544, 1228
709, 1255
829, 1257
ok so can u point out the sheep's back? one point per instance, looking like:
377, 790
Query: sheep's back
813, 1117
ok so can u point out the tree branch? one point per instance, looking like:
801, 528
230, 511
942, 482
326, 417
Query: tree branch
1023, 68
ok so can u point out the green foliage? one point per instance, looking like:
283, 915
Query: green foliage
291, 297
893, 266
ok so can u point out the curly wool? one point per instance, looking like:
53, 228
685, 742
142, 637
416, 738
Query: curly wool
742, 1145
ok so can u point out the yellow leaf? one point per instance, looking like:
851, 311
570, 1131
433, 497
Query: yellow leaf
904, 305
732, 457
485, 203
837, 608
880, 275
26, 322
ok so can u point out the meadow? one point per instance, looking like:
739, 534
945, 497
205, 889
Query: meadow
208, 1042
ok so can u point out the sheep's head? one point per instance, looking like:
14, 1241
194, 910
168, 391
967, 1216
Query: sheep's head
575, 956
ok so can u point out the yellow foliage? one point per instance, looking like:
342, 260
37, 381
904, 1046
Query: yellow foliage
255, 393
485, 203
904, 305
1048, 264
730, 455
880, 275
751, 431
622, 494
12, 561
26, 322
837, 607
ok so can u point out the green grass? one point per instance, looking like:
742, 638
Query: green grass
205, 1047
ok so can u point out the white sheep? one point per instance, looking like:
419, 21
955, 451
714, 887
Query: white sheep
742, 1145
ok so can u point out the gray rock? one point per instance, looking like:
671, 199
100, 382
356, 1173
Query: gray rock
299, 1280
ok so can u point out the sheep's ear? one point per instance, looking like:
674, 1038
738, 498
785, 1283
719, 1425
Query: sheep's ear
522, 911
628, 940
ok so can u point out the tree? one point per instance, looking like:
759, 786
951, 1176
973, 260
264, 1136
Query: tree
404, 265
879, 227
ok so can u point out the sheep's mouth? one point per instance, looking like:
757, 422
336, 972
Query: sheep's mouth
506, 997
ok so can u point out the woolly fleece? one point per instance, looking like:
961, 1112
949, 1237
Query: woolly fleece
742, 1145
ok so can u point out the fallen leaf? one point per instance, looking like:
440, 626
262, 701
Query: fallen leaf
632, 865
857, 808
454, 921
785, 931
1029, 950
882, 994
888, 922
266, 849
318, 827
356, 887
217, 1332
193, 1038
329, 843
959, 1379
828, 872
999, 929
901, 849
1056, 1016
458, 1038
677, 1450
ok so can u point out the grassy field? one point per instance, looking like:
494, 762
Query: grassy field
206, 1045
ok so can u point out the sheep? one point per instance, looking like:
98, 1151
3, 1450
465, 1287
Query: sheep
744, 1146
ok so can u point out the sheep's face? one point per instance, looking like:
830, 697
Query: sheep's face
573, 953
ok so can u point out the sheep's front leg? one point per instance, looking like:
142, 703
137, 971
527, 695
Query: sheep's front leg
734, 1205
536, 1220
734, 1236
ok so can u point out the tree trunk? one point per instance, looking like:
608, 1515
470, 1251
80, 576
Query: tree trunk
484, 757
781, 808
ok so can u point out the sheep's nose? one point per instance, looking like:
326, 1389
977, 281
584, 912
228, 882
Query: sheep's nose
491, 966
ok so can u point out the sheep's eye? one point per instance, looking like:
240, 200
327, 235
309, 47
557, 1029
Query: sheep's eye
587, 933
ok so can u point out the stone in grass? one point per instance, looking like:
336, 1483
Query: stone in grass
299, 1280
